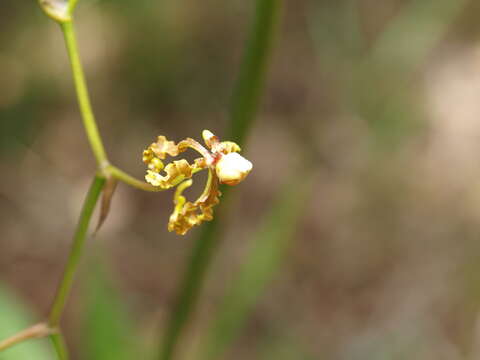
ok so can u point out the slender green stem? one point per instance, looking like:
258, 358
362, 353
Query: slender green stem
139, 184
130, 180
82, 95
245, 100
71, 6
33, 332
95, 140
77, 248
52, 327
59, 345
249, 86
88, 117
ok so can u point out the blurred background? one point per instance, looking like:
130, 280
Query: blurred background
380, 99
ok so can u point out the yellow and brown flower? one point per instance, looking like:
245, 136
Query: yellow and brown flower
221, 159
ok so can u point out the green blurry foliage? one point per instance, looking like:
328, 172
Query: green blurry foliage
108, 329
21, 122
268, 246
244, 107
14, 317
284, 347
376, 76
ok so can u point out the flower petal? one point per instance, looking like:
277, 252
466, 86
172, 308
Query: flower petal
176, 171
163, 147
188, 214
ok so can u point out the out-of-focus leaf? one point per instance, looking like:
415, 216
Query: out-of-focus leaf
15, 317
108, 333
383, 82
284, 347
415, 31
249, 86
377, 83
245, 100
268, 247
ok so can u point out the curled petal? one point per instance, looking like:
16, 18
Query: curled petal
183, 218
200, 163
195, 145
210, 139
153, 162
188, 214
157, 151
227, 147
163, 147
176, 171
213, 143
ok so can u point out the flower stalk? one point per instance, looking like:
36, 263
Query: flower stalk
33, 332
220, 159
83, 96
61, 11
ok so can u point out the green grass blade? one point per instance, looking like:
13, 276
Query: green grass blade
190, 286
108, 333
412, 35
245, 100
378, 82
283, 346
247, 93
268, 247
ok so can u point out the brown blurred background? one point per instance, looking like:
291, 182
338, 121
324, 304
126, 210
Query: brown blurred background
380, 97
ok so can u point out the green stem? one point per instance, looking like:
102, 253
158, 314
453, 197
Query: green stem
88, 117
249, 86
59, 345
71, 6
130, 180
77, 247
245, 100
33, 332
142, 185
93, 195
82, 95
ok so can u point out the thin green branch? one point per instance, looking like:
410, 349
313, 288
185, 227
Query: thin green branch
58, 342
71, 6
77, 248
52, 326
245, 100
139, 184
82, 95
86, 111
130, 180
33, 332
63, 16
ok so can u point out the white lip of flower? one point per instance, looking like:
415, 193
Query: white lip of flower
232, 168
